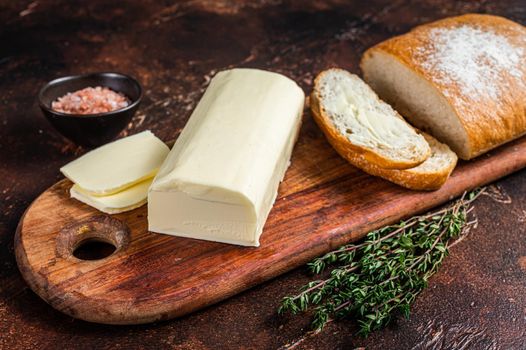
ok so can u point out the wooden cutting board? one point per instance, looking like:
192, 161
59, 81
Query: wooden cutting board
323, 202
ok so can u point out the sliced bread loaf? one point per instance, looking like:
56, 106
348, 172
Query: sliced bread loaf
357, 123
462, 79
430, 175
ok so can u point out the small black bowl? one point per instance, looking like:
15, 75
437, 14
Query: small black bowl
90, 130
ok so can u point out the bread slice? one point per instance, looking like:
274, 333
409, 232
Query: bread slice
357, 122
462, 79
430, 175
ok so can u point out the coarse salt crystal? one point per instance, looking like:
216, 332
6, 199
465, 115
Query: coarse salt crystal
90, 101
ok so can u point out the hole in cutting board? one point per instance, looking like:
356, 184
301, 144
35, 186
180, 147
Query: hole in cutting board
94, 249
91, 239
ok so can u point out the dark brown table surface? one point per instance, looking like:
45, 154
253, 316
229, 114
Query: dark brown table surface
476, 301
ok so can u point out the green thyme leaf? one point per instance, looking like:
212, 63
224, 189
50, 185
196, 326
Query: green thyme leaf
373, 280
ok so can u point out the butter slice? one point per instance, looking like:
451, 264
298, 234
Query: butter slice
120, 202
220, 180
117, 165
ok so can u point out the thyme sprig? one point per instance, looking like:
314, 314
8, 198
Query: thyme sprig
382, 275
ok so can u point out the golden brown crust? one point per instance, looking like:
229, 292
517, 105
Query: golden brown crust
414, 178
342, 145
488, 122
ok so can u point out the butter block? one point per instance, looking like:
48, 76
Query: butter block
220, 180
128, 199
117, 165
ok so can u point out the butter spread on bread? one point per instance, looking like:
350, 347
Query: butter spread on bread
356, 121
463, 79
221, 178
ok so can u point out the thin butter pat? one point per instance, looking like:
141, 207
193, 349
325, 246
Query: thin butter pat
118, 165
220, 180
128, 199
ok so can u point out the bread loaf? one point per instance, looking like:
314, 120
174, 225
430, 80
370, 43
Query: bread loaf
357, 122
463, 79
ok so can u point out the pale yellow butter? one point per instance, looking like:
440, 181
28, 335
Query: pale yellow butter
373, 123
117, 165
125, 200
220, 180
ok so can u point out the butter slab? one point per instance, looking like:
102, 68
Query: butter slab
220, 180
128, 199
117, 165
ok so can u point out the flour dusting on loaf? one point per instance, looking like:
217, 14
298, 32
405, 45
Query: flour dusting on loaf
473, 58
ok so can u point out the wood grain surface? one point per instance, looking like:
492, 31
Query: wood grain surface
322, 203
475, 301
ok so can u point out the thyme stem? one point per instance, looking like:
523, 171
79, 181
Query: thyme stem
383, 274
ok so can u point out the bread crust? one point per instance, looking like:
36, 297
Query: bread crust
413, 178
488, 122
342, 145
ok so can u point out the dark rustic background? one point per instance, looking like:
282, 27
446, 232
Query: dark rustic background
476, 301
